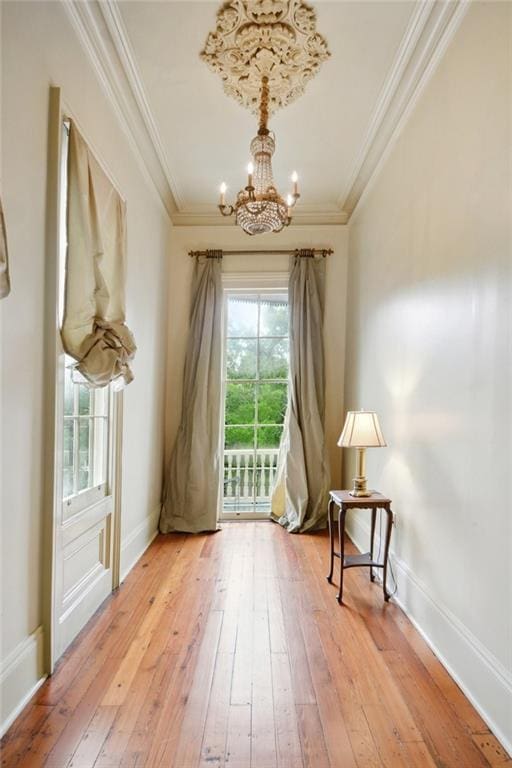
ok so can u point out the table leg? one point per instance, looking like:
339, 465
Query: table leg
341, 538
386, 552
372, 537
330, 522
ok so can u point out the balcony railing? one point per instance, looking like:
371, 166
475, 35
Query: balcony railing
249, 479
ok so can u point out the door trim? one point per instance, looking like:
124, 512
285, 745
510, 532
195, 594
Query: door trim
233, 283
51, 452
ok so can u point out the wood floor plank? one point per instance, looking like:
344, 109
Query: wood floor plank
241, 686
238, 743
491, 749
275, 617
289, 753
213, 750
118, 688
229, 650
15, 743
360, 735
194, 720
145, 687
263, 738
88, 749
314, 751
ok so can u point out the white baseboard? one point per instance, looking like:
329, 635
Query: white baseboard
480, 675
135, 544
21, 674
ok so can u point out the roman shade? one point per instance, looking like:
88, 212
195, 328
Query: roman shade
5, 285
94, 332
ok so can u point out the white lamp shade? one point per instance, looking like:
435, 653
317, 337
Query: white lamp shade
361, 430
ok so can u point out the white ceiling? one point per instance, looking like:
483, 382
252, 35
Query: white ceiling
191, 136
206, 134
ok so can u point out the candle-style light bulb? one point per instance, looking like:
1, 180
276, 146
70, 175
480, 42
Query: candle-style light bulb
223, 193
250, 171
289, 201
295, 180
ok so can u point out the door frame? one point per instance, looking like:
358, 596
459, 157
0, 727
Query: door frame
53, 384
232, 283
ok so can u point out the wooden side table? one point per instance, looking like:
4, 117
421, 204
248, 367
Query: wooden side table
344, 501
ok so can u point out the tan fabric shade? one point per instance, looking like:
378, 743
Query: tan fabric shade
5, 284
361, 430
94, 331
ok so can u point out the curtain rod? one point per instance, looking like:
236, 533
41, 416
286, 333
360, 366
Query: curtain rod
216, 254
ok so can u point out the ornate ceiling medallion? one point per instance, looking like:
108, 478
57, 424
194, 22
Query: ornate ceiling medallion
276, 39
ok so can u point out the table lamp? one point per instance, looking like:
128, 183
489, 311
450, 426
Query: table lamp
361, 431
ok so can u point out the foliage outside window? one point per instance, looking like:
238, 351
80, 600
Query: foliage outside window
256, 371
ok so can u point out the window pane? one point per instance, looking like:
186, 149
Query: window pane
272, 400
69, 390
239, 437
240, 403
273, 358
84, 457
274, 316
269, 437
241, 358
84, 400
68, 457
242, 316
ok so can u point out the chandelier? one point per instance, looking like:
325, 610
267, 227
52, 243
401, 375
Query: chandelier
259, 207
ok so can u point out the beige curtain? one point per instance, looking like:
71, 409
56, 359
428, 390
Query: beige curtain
94, 331
191, 492
5, 284
299, 500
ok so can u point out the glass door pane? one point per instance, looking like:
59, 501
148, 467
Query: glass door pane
256, 396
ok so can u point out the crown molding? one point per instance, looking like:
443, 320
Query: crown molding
209, 216
124, 50
427, 36
98, 41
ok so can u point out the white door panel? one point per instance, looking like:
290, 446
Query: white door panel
85, 562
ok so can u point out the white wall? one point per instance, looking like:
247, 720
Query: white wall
429, 348
184, 239
39, 48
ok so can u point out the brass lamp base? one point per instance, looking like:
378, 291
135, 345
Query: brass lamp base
360, 490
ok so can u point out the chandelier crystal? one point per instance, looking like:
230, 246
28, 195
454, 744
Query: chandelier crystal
259, 208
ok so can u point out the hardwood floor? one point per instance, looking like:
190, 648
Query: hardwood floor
230, 650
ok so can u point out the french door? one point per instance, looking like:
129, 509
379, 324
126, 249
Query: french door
255, 387
83, 573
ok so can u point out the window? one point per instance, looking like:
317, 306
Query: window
85, 436
256, 396
86, 410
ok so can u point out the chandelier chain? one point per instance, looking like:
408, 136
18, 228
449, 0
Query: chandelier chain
263, 130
